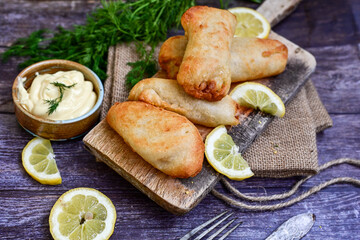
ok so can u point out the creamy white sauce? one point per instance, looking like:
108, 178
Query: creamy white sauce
76, 101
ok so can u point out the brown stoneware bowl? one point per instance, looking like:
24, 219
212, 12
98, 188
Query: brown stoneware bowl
57, 129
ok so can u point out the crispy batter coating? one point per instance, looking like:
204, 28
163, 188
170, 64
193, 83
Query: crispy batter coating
205, 70
251, 58
171, 55
166, 140
168, 94
257, 58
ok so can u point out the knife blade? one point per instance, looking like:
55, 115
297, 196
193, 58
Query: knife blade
294, 228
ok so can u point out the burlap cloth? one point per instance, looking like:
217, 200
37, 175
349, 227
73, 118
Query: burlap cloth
286, 148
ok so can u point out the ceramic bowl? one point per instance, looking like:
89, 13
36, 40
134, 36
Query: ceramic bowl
57, 129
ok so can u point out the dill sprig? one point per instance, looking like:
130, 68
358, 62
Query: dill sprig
144, 22
257, 1
54, 103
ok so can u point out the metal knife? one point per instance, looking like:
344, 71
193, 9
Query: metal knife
295, 228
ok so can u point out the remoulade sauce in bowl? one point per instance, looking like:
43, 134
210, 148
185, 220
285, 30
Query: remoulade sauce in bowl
77, 109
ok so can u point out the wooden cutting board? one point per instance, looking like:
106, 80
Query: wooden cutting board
181, 195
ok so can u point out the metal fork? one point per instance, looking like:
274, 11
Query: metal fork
195, 230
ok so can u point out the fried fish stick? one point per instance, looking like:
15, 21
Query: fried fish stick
205, 70
168, 94
251, 58
166, 140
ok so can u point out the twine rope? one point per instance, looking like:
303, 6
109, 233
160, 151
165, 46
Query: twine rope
293, 190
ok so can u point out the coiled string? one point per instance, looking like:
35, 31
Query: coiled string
293, 190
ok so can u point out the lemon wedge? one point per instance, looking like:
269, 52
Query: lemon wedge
258, 96
223, 155
82, 213
39, 162
250, 23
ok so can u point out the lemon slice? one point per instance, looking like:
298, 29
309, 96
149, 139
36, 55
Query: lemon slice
258, 96
82, 213
38, 160
250, 23
222, 153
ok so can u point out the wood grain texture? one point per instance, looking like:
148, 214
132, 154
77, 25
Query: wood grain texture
337, 77
324, 28
38, 14
321, 23
275, 11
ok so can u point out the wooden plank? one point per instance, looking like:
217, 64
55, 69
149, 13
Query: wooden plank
39, 15
337, 77
147, 221
320, 23
342, 140
8, 73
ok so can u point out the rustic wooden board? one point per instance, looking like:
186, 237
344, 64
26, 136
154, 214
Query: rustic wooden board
181, 195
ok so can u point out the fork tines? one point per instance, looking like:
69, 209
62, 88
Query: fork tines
205, 224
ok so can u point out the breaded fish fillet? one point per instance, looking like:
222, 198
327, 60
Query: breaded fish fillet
168, 94
205, 70
166, 140
251, 58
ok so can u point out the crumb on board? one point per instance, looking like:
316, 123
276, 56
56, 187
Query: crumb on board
274, 150
273, 147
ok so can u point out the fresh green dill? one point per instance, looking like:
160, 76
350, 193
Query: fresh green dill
224, 4
144, 22
257, 1
54, 103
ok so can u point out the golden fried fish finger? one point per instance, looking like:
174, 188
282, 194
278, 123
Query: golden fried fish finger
251, 58
168, 94
166, 140
205, 70
257, 58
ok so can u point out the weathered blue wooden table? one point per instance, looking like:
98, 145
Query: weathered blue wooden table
330, 30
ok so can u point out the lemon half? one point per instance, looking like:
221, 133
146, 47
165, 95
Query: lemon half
223, 155
258, 96
39, 162
250, 23
82, 213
